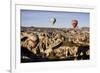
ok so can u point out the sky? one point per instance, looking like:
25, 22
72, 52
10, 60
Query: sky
38, 18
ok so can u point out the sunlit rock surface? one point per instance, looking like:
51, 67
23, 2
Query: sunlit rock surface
53, 44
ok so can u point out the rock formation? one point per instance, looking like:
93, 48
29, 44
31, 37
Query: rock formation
54, 43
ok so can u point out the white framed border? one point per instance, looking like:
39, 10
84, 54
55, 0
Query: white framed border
17, 67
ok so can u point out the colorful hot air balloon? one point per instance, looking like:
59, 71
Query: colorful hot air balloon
74, 23
53, 20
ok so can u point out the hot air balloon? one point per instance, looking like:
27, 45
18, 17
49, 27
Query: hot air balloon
74, 23
53, 20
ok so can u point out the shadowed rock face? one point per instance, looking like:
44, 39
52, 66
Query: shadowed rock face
54, 44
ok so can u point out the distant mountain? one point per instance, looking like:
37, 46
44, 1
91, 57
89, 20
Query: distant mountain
49, 29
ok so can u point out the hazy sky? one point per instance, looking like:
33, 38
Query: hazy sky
63, 19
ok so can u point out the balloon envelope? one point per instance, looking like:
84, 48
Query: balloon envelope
74, 23
53, 20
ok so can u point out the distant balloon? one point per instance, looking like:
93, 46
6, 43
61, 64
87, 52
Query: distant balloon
74, 23
53, 20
